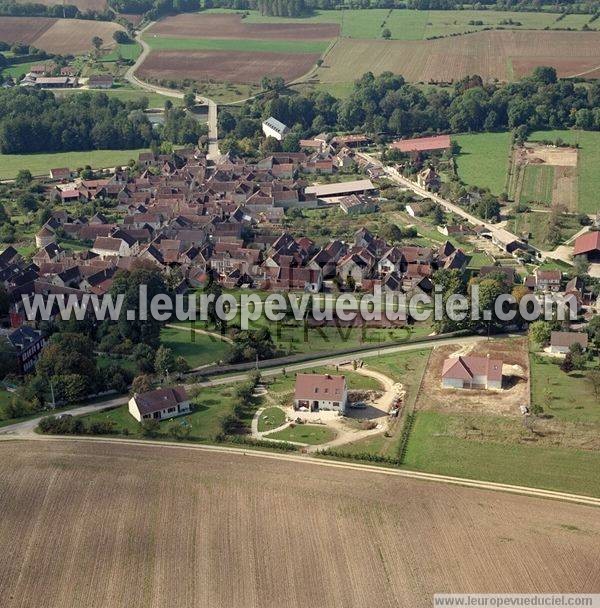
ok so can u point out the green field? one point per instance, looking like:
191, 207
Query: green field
536, 223
407, 24
125, 51
588, 169
196, 349
270, 418
537, 184
439, 444
483, 159
311, 434
18, 70
249, 46
40, 164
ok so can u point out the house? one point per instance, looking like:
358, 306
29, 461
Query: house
28, 344
315, 392
44, 237
415, 209
273, 128
99, 81
160, 404
60, 174
561, 341
472, 372
588, 245
547, 280
422, 144
355, 204
428, 179
505, 240
351, 141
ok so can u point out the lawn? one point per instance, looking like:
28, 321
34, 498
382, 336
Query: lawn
125, 51
18, 70
483, 160
479, 259
40, 164
435, 447
270, 418
165, 43
205, 422
536, 223
588, 183
196, 349
311, 434
537, 184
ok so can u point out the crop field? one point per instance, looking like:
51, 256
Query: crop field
588, 162
245, 46
66, 36
483, 159
490, 54
224, 66
40, 164
232, 26
417, 24
239, 527
537, 184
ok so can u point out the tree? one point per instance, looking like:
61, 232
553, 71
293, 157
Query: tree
121, 37
539, 332
150, 427
164, 361
270, 145
24, 178
581, 266
97, 42
142, 384
189, 99
567, 363
578, 357
69, 354
594, 379
386, 33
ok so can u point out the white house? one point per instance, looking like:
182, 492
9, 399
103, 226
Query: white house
321, 392
273, 128
472, 372
160, 404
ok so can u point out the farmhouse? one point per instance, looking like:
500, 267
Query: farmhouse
422, 144
99, 81
505, 240
273, 128
360, 186
160, 404
472, 372
588, 245
60, 174
356, 204
561, 341
428, 179
320, 392
28, 344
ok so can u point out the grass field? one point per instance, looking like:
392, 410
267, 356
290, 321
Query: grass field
439, 443
97, 525
536, 223
247, 46
537, 184
40, 164
483, 159
129, 94
588, 183
312, 434
196, 349
18, 70
270, 418
125, 51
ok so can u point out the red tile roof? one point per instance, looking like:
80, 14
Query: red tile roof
422, 144
319, 387
586, 243
465, 368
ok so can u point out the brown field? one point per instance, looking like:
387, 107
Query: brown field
67, 36
489, 54
23, 29
225, 66
232, 26
95, 525
515, 372
82, 5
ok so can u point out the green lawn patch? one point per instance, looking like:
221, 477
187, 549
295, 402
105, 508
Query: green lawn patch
588, 181
483, 159
270, 418
40, 164
165, 43
311, 434
196, 349
124, 51
537, 224
435, 447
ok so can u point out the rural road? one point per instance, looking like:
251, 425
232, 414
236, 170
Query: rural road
213, 139
27, 427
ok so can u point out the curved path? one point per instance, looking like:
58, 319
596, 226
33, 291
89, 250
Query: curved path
213, 139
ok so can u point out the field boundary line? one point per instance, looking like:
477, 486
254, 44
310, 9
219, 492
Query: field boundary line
404, 473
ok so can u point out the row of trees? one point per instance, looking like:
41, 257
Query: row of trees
388, 105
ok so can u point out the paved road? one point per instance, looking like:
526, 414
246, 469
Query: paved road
213, 139
27, 427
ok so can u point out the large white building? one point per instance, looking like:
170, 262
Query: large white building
321, 392
273, 128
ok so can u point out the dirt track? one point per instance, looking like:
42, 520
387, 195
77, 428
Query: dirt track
113, 525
